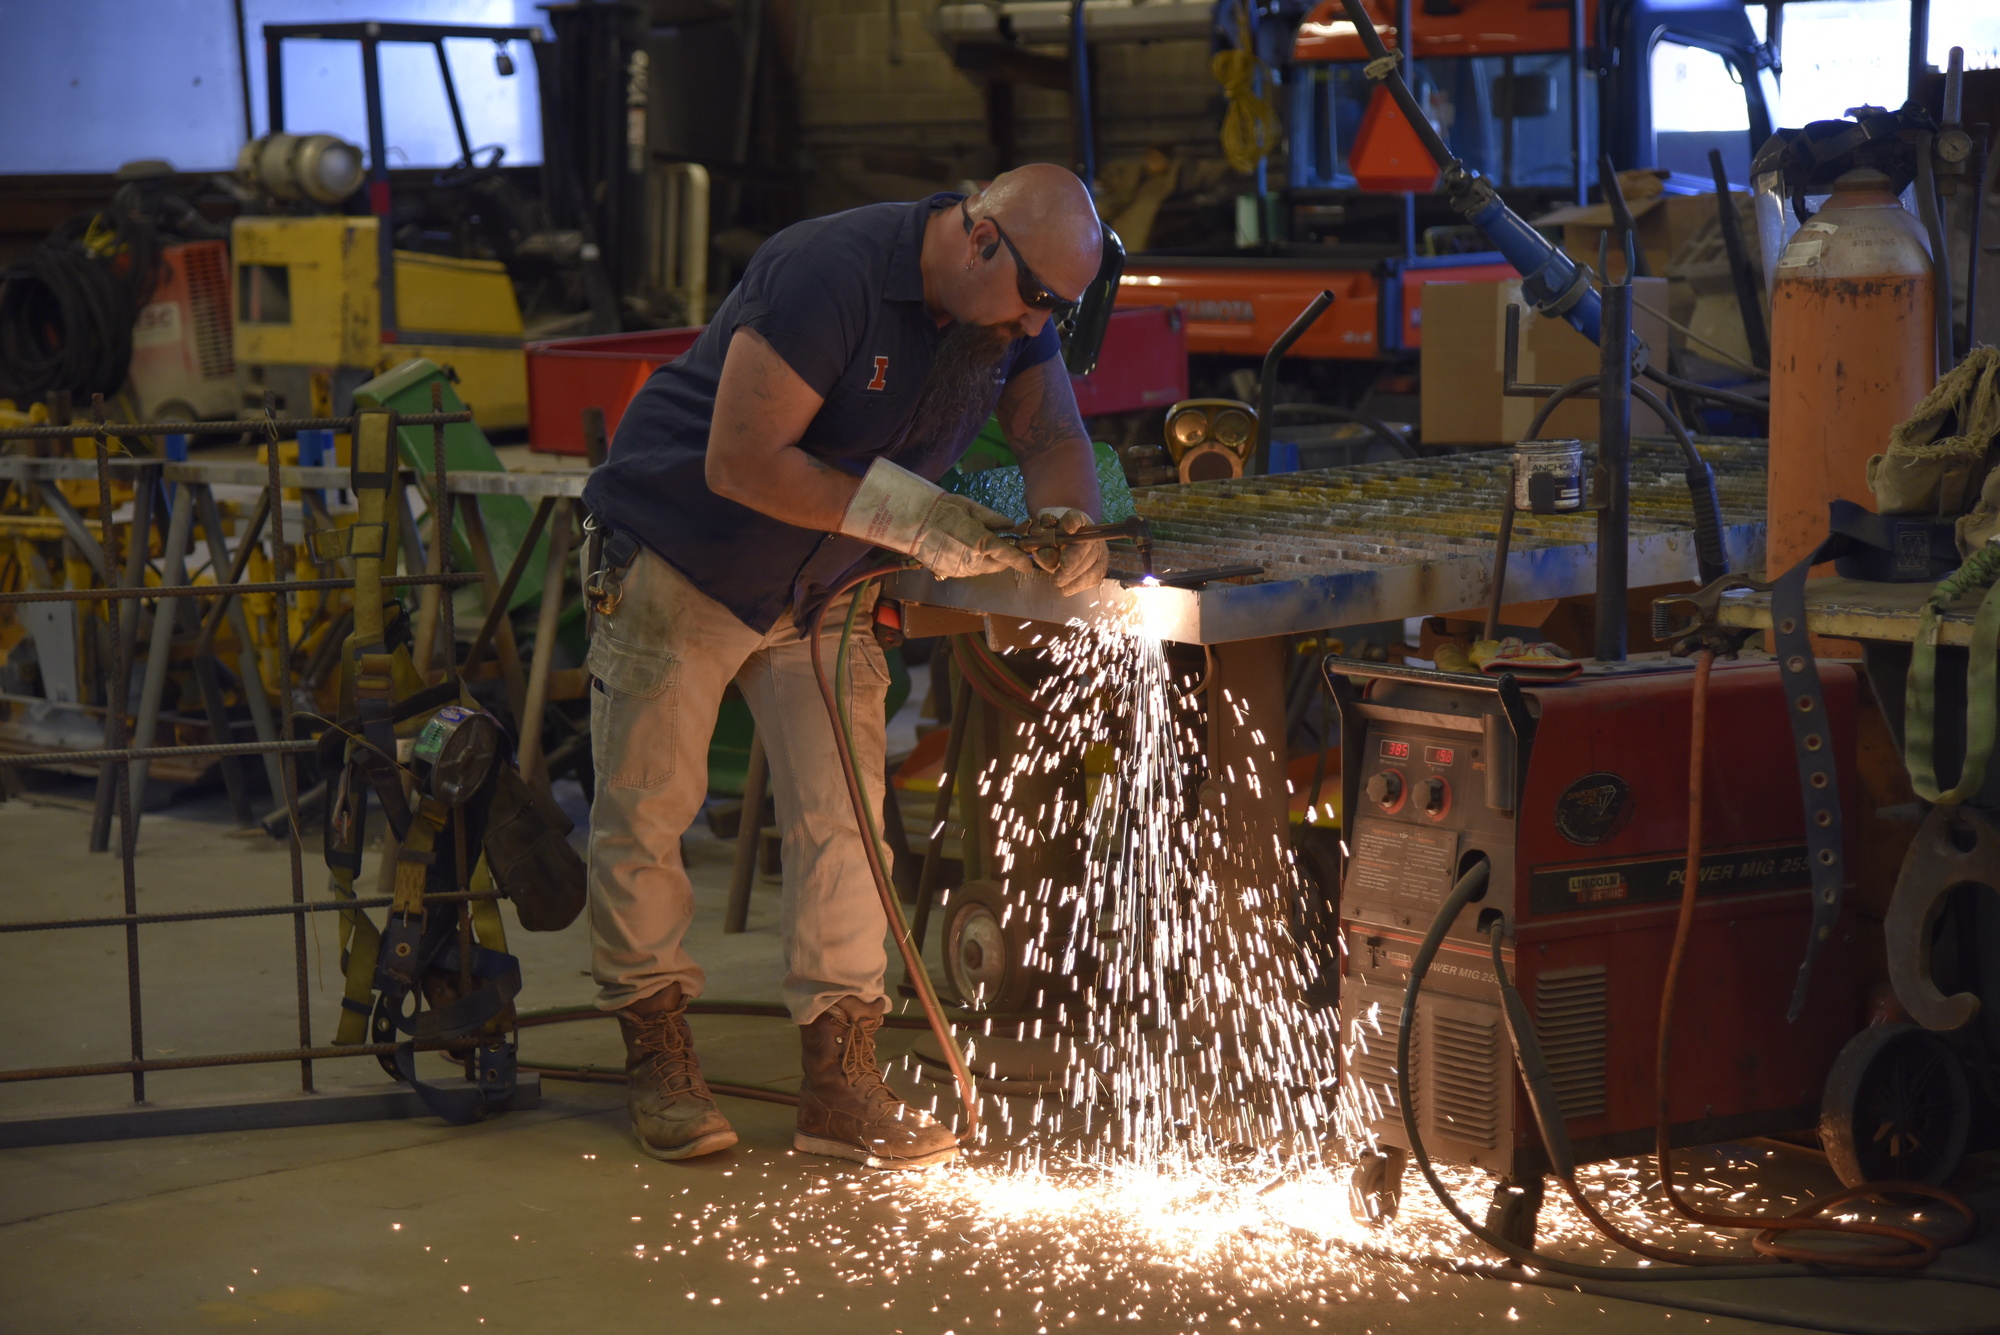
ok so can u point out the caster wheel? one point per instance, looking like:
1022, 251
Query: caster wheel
1375, 1192
1898, 1108
1517, 1201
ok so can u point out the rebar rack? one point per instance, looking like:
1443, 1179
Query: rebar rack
117, 593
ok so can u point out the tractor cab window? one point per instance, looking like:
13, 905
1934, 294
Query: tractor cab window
1698, 104
1507, 116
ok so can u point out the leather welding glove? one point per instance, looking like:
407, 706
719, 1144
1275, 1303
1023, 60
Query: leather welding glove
1078, 566
951, 536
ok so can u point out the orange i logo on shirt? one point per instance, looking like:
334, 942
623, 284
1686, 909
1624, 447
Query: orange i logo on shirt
881, 380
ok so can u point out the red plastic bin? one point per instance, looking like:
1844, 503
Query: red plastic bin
567, 375
1143, 365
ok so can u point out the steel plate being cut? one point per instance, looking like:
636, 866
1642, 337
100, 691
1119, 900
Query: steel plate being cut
1375, 542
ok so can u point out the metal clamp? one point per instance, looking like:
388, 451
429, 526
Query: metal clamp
613, 553
1700, 626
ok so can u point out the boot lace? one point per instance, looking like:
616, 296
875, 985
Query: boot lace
859, 1065
666, 1046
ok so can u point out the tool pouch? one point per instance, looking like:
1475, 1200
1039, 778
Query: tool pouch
1937, 458
530, 857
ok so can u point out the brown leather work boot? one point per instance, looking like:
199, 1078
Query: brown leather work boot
846, 1111
673, 1114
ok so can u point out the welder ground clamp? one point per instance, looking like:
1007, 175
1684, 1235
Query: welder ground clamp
1692, 621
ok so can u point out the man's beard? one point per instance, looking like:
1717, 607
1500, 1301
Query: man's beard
963, 385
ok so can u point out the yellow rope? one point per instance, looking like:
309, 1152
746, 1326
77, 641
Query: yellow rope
1250, 127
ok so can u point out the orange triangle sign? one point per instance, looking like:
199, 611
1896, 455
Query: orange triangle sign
1387, 154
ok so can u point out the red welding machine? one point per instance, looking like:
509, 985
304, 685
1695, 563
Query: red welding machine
1577, 793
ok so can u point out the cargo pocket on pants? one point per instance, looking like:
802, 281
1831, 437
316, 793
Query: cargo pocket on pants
634, 712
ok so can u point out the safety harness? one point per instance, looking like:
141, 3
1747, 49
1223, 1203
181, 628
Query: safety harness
440, 768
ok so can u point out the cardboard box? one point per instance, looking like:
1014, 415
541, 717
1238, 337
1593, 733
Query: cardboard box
1464, 364
1662, 222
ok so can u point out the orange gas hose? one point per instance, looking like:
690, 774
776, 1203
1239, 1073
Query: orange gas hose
1916, 1249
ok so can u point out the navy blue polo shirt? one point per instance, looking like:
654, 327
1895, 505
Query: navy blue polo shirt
841, 299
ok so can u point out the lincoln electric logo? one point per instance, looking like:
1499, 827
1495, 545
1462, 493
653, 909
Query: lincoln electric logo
1594, 887
881, 380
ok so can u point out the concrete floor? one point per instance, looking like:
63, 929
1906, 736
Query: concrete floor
549, 1220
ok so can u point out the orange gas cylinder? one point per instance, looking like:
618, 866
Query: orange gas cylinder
1853, 350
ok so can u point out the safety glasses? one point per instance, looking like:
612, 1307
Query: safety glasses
1035, 294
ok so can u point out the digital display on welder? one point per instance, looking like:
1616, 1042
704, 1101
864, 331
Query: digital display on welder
1395, 750
1440, 755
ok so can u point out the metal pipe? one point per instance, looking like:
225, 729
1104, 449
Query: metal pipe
1614, 457
276, 426
1086, 128
255, 693
173, 572
1749, 298
496, 611
1976, 173
1268, 383
121, 666
378, 185
1406, 48
122, 594
1576, 87
108, 755
451, 101
1931, 211
123, 632
288, 770
138, 1066
1920, 46
254, 911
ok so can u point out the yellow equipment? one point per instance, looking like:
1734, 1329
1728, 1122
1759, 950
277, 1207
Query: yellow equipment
309, 320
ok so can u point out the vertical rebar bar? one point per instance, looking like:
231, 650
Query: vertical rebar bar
121, 668
287, 764
441, 532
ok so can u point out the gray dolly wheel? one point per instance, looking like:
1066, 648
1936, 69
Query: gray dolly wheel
1897, 1108
986, 948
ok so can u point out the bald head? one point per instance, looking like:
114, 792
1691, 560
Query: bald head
1049, 215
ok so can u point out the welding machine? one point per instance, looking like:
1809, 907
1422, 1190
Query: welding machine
1577, 795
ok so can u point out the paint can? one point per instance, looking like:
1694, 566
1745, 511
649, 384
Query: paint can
1548, 476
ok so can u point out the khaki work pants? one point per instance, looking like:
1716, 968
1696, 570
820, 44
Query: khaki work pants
661, 662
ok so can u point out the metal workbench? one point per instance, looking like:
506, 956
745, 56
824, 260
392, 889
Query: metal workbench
1852, 609
1374, 542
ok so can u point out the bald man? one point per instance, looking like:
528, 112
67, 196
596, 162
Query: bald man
799, 437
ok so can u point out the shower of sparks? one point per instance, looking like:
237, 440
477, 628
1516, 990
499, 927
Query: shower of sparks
1178, 1017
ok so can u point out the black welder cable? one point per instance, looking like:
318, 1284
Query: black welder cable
1470, 887
1740, 402
968, 1095
65, 324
